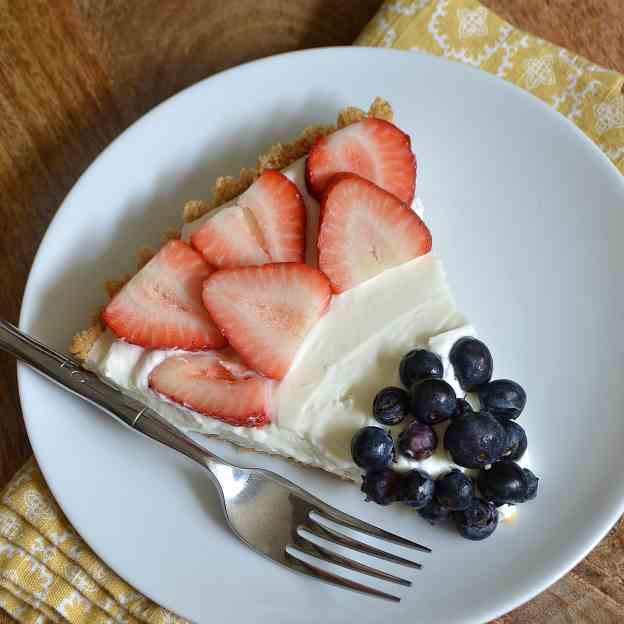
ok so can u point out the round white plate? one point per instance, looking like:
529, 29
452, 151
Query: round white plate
527, 215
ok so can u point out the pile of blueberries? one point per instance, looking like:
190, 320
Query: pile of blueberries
488, 440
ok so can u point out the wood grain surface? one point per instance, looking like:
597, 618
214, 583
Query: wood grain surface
75, 73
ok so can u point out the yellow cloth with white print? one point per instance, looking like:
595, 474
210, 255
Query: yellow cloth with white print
47, 573
465, 31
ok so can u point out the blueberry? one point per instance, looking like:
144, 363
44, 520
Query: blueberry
515, 439
418, 365
472, 363
503, 398
463, 408
454, 490
478, 521
382, 486
507, 482
532, 482
433, 401
418, 441
372, 447
434, 512
417, 489
475, 440
391, 406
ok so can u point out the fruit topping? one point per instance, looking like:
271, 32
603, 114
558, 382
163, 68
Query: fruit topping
161, 306
532, 484
454, 490
434, 512
472, 363
478, 521
265, 312
433, 401
515, 439
372, 447
463, 408
418, 441
214, 383
266, 224
475, 440
364, 231
503, 398
374, 149
382, 486
391, 406
419, 364
507, 482
417, 489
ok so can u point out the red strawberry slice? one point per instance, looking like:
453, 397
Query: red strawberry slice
265, 312
213, 384
364, 231
374, 149
266, 224
161, 305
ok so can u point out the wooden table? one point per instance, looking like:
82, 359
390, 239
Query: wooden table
75, 73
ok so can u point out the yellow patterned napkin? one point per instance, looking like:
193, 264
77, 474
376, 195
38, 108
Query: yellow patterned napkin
47, 573
465, 31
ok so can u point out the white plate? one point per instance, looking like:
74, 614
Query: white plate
527, 214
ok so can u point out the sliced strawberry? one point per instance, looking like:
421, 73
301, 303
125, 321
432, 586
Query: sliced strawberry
214, 385
161, 305
266, 224
229, 239
364, 231
372, 148
265, 312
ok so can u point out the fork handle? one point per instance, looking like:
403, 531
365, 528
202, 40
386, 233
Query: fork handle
68, 373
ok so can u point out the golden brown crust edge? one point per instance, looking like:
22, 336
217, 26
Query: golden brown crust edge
226, 188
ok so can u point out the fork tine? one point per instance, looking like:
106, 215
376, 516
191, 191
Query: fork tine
330, 513
342, 540
316, 550
311, 570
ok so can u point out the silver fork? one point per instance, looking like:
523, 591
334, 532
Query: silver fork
266, 511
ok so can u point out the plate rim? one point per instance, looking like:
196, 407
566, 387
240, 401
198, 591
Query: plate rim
28, 299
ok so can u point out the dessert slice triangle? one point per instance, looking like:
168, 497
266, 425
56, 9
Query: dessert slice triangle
250, 343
